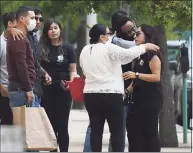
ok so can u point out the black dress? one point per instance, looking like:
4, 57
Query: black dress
142, 123
147, 96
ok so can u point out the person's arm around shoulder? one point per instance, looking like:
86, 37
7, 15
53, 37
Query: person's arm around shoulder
123, 43
124, 56
15, 33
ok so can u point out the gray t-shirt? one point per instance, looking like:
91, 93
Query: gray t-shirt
3, 63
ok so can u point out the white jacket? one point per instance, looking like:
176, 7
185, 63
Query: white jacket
101, 65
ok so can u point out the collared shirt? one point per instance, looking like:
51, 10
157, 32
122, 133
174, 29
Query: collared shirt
3, 62
37, 34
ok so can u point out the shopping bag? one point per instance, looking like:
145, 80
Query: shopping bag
76, 88
39, 134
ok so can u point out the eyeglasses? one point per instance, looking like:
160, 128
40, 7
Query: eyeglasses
109, 33
137, 33
41, 19
132, 31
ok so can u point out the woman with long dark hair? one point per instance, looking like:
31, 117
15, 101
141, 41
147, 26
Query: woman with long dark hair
146, 98
104, 86
60, 62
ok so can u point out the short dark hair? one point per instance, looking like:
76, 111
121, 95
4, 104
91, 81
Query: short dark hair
11, 16
37, 10
118, 19
96, 31
22, 11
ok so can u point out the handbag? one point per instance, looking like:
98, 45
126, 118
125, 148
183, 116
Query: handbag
76, 88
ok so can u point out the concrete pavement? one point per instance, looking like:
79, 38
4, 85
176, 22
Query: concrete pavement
79, 121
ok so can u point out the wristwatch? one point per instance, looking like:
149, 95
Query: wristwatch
137, 75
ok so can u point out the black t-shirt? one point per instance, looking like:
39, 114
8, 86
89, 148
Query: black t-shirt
59, 59
146, 95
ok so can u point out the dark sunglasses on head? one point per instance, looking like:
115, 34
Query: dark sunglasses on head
41, 19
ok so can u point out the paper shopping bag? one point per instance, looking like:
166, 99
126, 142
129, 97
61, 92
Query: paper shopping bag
39, 134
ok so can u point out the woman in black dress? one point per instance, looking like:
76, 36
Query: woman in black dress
142, 122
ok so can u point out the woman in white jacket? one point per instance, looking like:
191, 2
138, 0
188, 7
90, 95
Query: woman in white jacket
104, 86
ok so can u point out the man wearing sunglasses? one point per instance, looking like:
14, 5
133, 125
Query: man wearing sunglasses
39, 20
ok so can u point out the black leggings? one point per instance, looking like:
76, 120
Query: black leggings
142, 131
6, 116
102, 106
57, 104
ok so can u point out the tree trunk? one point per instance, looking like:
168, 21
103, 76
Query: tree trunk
167, 122
81, 42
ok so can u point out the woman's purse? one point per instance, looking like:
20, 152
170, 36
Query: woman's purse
76, 88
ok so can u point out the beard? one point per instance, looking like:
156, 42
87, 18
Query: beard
124, 36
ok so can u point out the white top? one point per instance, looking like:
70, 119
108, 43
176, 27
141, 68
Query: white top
101, 66
3, 63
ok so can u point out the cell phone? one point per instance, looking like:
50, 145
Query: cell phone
64, 83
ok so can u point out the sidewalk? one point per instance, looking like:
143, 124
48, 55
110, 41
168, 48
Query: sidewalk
78, 123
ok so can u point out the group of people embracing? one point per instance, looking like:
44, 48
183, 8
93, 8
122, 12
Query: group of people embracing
122, 67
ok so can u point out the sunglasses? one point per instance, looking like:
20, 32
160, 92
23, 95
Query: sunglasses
41, 19
109, 33
137, 33
132, 31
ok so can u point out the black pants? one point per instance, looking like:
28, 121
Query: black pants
57, 104
6, 116
101, 107
142, 131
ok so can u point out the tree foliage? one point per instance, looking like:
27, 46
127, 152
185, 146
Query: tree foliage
174, 15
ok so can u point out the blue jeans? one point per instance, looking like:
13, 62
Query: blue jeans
19, 98
37, 101
87, 146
